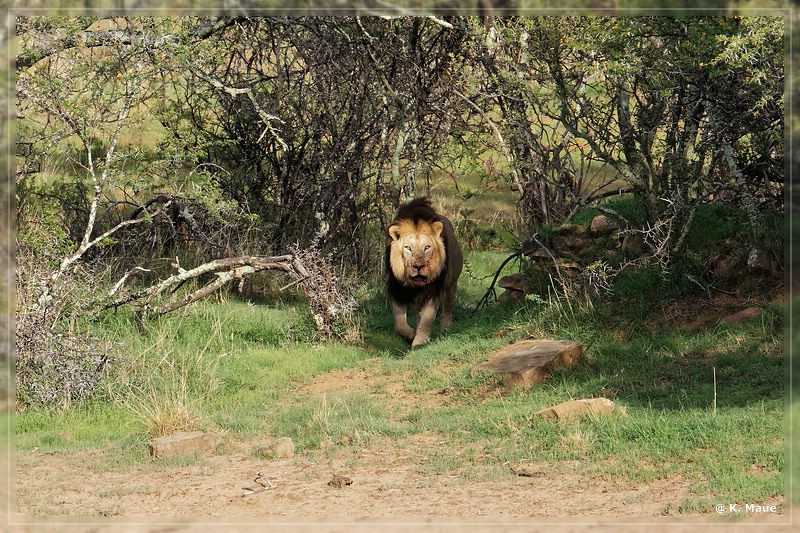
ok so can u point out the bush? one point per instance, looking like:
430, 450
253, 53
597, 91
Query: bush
54, 364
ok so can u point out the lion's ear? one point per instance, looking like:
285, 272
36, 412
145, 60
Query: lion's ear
394, 232
437, 228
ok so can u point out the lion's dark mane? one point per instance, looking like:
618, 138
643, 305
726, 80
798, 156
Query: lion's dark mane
417, 209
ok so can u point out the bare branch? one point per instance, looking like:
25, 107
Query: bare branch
124, 278
226, 269
44, 44
506, 152
440, 22
267, 118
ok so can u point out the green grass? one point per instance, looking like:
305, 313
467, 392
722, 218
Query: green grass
241, 369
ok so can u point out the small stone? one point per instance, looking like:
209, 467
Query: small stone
576, 408
602, 225
282, 448
340, 481
184, 443
526, 471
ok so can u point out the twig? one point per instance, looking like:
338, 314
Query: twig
714, 370
490, 291
261, 488
293, 283
124, 278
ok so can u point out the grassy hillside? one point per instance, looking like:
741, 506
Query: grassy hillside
254, 369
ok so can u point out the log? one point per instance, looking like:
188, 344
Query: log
530, 361
577, 408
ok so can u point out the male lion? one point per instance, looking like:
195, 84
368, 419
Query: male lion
424, 262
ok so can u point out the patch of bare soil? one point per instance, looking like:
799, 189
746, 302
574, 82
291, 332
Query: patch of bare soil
389, 482
698, 313
386, 482
369, 380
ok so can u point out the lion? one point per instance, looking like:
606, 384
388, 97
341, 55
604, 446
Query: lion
424, 262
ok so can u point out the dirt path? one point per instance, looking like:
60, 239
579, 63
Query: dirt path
388, 481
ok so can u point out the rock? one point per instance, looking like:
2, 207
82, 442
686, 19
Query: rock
576, 408
760, 262
527, 470
723, 266
742, 316
632, 245
530, 361
515, 287
570, 238
540, 253
568, 229
184, 443
281, 448
570, 269
602, 225
571, 243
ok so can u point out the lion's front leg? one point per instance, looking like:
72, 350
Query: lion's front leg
448, 302
427, 315
401, 322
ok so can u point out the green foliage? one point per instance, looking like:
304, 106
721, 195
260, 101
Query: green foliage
234, 378
634, 209
47, 240
714, 223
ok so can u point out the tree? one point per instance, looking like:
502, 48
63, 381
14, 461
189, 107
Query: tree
684, 110
307, 120
275, 132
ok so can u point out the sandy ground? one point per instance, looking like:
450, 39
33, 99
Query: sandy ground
97, 490
386, 482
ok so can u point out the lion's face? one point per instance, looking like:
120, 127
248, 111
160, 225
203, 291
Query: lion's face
417, 254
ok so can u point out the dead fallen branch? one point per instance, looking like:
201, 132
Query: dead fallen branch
225, 270
332, 306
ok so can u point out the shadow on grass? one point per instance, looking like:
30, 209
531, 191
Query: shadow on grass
667, 369
677, 371
379, 334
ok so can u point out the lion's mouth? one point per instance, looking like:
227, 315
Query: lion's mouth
418, 280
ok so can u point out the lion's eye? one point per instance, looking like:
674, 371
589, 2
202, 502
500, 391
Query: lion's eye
427, 247
407, 248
